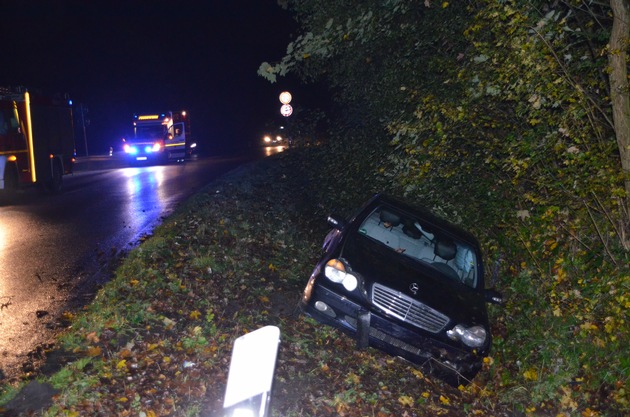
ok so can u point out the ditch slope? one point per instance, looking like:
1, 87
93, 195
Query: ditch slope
157, 339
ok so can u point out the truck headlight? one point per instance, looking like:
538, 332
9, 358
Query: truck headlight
335, 271
474, 336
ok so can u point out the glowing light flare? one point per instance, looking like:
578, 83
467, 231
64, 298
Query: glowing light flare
149, 117
272, 150
285, 97
144, 180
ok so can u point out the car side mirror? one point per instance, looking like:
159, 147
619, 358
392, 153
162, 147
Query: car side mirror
336, 222
494, 297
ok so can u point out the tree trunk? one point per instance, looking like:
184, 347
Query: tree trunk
619, 87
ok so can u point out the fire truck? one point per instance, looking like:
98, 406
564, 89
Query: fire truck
158, 137
36, 140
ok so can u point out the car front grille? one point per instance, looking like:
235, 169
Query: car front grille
407, 309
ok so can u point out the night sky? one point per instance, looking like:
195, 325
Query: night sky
123, 57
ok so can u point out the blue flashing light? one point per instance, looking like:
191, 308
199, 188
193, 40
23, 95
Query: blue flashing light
132, 150
69, 102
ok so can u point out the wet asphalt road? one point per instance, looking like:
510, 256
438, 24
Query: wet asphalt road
54, 248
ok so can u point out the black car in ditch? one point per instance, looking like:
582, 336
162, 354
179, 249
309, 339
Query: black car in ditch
400, 279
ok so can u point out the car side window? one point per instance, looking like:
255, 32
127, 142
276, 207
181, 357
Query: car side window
465, 264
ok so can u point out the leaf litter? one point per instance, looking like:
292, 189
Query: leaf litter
157, 339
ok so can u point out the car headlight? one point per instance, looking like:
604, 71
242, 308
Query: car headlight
335, 271
474, 336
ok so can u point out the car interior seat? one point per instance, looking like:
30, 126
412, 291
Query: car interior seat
389, 219
445, 249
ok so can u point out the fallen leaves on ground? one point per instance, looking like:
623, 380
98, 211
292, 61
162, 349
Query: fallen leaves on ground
157, 339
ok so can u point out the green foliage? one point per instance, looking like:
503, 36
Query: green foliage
68, 375
373, 55
9, 392
498, 117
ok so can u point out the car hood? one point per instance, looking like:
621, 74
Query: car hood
462, 304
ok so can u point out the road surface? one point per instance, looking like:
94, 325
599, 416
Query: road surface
55, 248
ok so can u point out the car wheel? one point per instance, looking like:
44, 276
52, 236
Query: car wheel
55, 183
10, 179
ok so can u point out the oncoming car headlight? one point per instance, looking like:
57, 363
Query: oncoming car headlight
474, 336
335, 271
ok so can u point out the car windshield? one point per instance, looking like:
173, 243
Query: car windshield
407, 236
150, 131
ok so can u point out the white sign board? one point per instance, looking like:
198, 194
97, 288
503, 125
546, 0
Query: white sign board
286, 110
252, 368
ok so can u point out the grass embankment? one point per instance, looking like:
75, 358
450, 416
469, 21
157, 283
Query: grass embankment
157, 339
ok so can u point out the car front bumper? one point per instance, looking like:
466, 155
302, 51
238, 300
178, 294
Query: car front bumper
385, 333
